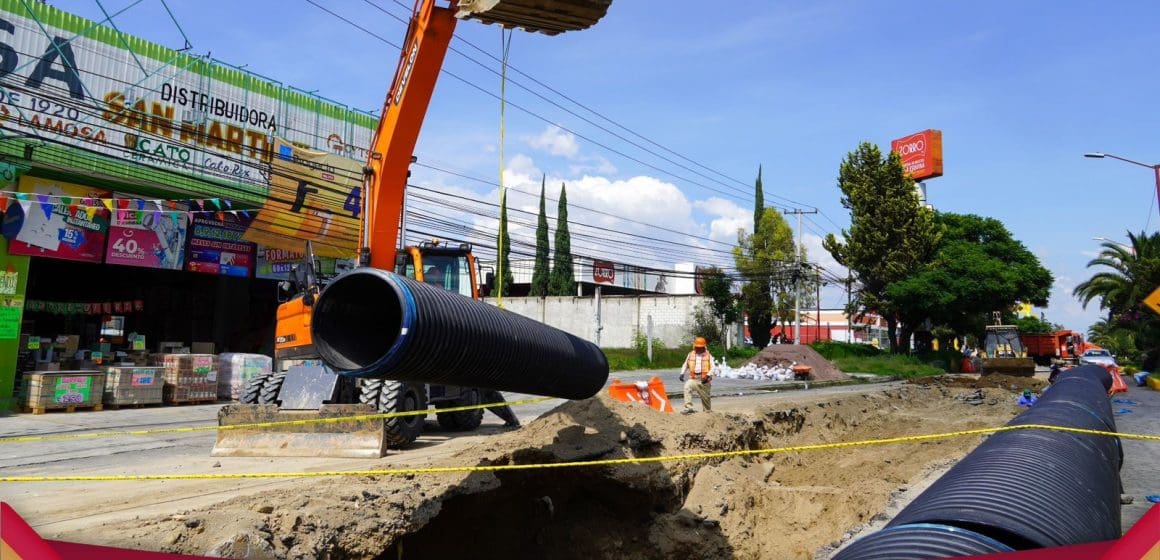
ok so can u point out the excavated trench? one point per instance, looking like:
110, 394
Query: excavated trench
785, 505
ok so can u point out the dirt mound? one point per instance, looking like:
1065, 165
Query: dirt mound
785, 505
1011, 383
822, 370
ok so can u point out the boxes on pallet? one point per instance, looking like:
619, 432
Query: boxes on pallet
62, 389
188, 377
133, 385
235, 369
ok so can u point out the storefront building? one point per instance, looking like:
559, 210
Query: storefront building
153, 198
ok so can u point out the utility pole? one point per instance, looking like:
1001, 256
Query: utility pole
797, 276
849, 300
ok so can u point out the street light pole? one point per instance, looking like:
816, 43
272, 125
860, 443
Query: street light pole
1154, 167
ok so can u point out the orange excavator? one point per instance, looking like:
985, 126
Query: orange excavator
302, 386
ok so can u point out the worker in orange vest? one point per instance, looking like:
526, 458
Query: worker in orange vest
698, 366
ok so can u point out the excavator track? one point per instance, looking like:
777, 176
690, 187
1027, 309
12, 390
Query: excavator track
550, 17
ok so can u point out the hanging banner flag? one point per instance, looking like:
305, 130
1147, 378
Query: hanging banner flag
52, 229
148, 239
314, 196
217, 247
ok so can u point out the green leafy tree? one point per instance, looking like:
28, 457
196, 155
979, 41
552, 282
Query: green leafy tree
506, 279
563, 277
1131, 272
891, 235
1034, 325
541, 272
718, 287
1117, 339
977, 268
765, 260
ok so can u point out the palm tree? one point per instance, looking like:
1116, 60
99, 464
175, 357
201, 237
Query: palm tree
1117, 339
1133, 275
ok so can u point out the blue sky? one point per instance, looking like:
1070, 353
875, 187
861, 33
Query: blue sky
1020, 91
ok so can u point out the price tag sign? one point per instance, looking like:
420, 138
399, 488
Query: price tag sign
34, 343
97, 356
139, 343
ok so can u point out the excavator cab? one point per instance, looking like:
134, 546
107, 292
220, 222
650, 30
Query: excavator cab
1003, 352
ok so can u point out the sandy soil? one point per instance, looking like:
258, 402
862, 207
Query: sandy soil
786, 505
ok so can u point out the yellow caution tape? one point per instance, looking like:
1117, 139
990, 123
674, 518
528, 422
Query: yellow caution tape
334, 420
571, 464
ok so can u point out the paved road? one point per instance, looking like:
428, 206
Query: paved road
1138, 413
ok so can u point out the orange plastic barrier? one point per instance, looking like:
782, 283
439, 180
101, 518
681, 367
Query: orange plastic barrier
1118, 384
651, 393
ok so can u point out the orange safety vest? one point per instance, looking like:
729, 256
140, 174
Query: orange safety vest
699, 367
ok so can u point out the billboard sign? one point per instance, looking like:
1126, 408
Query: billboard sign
921, 153
217, 247
57, 226
318, 200
151, 239
69, 80
603, 272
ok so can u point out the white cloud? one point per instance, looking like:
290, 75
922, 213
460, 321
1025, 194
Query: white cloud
728, 217
555, 141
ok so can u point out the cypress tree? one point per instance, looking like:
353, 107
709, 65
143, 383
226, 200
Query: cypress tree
563, 281
506, 279
758, 202
542, 271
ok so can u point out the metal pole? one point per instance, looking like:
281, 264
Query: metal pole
797, 284
818, 333
849, 316
598, 326
648, 337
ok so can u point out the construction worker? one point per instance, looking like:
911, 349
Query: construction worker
505, 413
433, 276
698, 365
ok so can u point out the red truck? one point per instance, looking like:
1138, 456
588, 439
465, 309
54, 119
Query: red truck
1066, 346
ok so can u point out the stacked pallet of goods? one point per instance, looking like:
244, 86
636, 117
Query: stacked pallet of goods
235, 370
189, 378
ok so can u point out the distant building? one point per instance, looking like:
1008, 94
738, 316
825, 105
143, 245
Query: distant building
613, 278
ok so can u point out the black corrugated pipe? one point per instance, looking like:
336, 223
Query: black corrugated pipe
1025, 489
371, 323
922, 541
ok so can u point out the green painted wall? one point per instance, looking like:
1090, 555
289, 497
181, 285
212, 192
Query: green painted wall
9, 343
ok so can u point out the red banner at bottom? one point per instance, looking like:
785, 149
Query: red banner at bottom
19, 542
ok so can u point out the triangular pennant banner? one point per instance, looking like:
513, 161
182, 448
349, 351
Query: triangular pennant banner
221, 216
108, 204
4, 204
140, 204
228, 205
91, 212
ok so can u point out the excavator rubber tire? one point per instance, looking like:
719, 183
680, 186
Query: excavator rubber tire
463, 420
252, 392
395, 396
271, 388
549, 17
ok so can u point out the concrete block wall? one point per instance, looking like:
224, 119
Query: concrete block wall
621, 316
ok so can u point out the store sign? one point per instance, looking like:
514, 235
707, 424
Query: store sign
275, 264
921, 153
9, 280
217, 247
319, 200
56, 227
73, 81
603, 272
72, 389
11, 311
146, 238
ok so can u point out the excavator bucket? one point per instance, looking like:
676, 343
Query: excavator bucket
1016, 367
550, 17
358, 439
